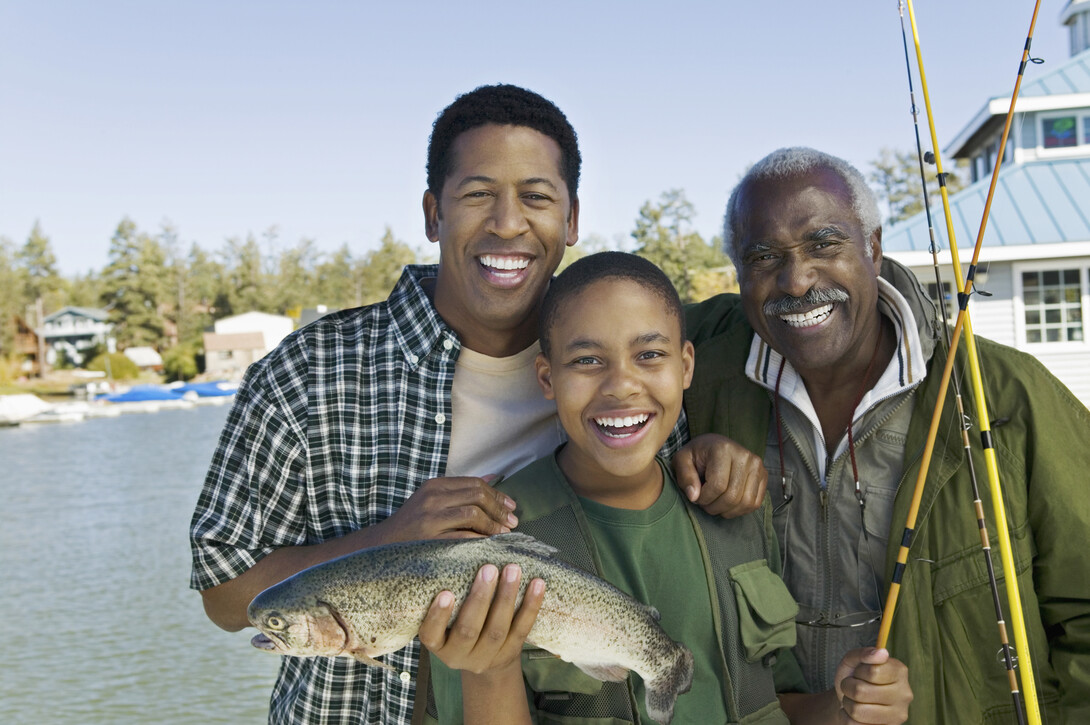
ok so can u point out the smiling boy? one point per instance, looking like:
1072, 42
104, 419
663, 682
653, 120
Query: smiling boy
615, 360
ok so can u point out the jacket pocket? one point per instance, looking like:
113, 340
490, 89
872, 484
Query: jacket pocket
766, 609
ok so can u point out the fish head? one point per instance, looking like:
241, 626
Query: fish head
313, 631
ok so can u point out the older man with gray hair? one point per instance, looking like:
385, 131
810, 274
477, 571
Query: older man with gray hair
828, 365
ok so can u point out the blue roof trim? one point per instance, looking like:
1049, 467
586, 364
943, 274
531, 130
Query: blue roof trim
1072, 76
1035, 203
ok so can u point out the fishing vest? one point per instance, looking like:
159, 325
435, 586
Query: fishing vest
754, 612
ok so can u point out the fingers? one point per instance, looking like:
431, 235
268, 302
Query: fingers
876, 690
454, 507
735, 485
689, 478
721, 476
433, 629
487, 632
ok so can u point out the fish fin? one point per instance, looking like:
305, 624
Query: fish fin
662, 692
523, 542
603, 672
655, 615
359, 656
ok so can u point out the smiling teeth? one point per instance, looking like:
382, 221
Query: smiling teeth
626, 422
807, 319
505, 262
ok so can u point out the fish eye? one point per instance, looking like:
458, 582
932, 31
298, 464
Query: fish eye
274, 621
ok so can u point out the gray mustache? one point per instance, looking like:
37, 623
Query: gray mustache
789, 305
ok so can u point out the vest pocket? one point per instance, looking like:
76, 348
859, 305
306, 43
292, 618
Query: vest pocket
546, 672
766, 609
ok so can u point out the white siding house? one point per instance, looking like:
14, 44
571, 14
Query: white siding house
1035, 256
241, 340
72, 331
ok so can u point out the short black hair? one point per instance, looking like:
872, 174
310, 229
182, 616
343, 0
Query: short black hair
593, 268
504, 105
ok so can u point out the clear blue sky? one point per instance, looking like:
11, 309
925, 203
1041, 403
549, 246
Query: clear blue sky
227, 118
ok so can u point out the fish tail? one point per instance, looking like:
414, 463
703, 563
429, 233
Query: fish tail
662, 692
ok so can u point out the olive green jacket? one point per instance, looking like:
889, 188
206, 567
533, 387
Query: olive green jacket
944, 627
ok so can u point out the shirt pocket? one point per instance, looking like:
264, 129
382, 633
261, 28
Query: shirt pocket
766, 609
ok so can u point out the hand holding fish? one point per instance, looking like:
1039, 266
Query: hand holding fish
721, 476
872, 688
375, 601
449, 508
488, 632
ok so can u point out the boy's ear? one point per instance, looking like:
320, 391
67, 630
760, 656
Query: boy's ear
688, 361
544, 375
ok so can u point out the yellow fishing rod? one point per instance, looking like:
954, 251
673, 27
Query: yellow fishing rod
982, 526
964, 323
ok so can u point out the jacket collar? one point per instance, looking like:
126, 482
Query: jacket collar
902, 300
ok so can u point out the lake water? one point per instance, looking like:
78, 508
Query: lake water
97, 621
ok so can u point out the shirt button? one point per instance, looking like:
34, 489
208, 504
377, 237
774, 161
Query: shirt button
447, 344
413, 359
405, 676
440, 418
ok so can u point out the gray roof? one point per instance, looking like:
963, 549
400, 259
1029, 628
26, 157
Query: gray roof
1038, 202
1072, 76
94, 313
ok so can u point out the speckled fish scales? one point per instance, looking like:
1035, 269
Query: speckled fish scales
372, 602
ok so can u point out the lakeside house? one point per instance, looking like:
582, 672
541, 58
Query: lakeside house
240, 340
25, 347
1035, 255
73, 331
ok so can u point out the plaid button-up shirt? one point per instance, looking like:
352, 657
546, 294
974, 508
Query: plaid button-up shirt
329, 433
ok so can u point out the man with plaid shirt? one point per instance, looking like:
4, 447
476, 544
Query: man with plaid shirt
375, 425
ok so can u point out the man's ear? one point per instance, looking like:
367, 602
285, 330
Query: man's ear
431, 216
876, 250
544, 375
572, 235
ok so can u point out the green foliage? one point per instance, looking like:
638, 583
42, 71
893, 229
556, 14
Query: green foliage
133, 285
382, 267
39, 265
12, 301
896, 175
120, 367
684, 256
180, 363
63, 362
338, 282
9, 369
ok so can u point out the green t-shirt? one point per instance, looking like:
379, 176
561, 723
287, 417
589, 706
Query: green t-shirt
654, 555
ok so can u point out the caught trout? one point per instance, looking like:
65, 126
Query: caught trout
372, 602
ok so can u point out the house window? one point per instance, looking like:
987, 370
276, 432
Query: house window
1060, 132
1052, 300
947, 298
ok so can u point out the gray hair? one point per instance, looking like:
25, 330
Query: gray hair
793, 161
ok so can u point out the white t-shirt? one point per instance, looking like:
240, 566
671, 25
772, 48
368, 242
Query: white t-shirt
501, 420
